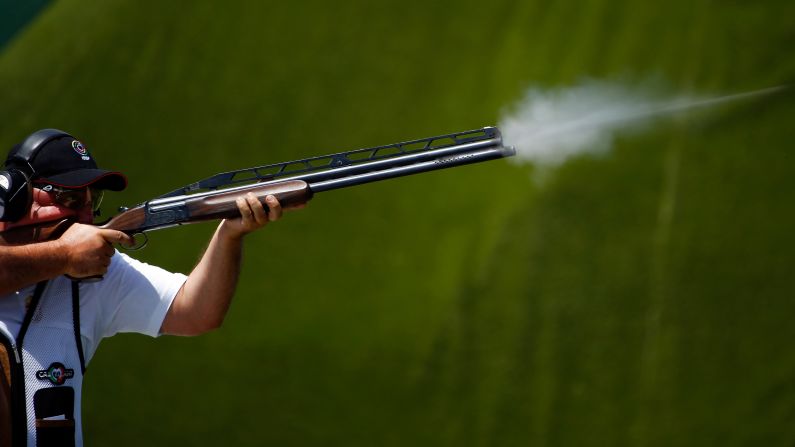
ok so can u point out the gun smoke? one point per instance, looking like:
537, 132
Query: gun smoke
549, 126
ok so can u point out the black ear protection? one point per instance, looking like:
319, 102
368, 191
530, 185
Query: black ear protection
16, 188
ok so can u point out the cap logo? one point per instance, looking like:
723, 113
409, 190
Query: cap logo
80, 149
4, 183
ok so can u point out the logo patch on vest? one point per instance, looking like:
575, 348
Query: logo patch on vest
57, 373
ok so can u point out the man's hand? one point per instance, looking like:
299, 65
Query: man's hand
82, 251
88, 249
252, 216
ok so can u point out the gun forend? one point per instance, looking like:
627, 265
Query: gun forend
164, 213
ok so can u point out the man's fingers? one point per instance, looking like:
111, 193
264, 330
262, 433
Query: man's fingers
274, 208
244, 208
117, 237
251, 208
256, 206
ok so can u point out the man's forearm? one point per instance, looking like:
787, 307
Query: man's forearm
24, 265
202, 303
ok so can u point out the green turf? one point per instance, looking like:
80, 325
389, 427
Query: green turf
637, 298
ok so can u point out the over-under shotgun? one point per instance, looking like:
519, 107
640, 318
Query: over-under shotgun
292, 182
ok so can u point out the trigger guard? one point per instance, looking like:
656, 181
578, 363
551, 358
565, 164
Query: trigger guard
138, 246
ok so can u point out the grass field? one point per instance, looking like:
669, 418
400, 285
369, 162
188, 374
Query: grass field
643, 297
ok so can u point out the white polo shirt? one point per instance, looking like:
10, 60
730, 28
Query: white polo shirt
132, 297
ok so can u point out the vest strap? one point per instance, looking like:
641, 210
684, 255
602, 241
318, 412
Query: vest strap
34, 303
76, 324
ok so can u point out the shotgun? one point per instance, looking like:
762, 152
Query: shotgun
292, 183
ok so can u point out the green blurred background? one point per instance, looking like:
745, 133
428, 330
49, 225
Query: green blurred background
644, 297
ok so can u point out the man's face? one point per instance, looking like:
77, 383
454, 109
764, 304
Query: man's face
51, 204
78, 203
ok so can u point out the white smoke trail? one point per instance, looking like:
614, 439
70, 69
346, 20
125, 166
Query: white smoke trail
549, 126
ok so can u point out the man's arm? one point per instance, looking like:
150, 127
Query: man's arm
201, 304
82, 251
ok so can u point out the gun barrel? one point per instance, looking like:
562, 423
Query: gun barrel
347, 169
395, 160
457, 158
355, 162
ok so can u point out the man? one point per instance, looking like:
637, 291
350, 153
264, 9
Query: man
51, 322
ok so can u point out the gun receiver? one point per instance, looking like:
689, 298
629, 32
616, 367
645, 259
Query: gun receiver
295, 182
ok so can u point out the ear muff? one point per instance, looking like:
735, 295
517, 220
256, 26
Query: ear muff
16, 189
16, 194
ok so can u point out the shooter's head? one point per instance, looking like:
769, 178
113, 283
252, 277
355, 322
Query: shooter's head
52, 170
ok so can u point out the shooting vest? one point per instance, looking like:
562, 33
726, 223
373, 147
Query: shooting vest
42, 371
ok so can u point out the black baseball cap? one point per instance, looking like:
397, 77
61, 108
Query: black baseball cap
65, 162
